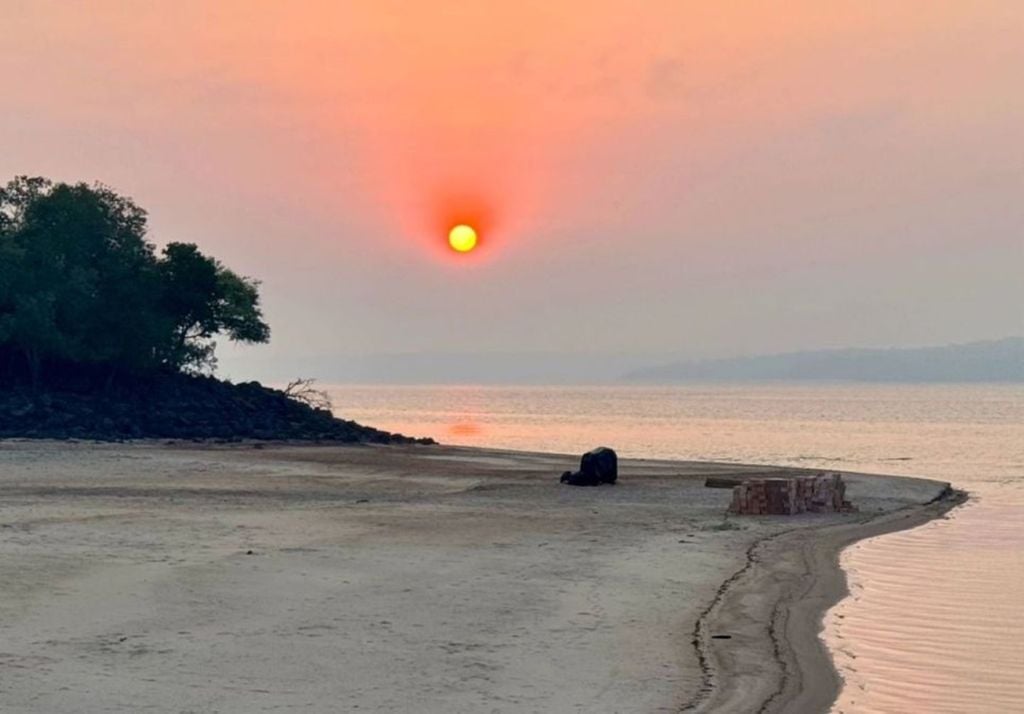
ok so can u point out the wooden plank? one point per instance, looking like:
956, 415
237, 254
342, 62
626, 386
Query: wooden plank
722, 482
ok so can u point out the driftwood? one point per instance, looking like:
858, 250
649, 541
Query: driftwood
731, 479
723, 481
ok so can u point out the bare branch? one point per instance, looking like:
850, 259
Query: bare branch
304, 390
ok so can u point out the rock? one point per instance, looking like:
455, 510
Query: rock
601, 463
575, 478
596, 467
822, 493
173, 406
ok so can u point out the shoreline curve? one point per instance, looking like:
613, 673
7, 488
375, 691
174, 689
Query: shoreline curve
758, 642
472, 568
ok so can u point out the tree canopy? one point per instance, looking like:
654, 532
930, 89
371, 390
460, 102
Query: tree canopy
81, 287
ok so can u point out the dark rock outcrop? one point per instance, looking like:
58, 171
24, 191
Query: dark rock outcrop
176, 406
820, 493
596, 467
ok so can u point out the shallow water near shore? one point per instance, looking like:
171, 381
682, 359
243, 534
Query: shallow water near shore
932, 623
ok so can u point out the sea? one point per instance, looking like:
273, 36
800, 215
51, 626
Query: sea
935, 618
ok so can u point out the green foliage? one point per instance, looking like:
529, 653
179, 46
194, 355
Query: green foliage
80, 285
205, 299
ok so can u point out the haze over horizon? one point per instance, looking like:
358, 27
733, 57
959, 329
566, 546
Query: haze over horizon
679, 180
997, 361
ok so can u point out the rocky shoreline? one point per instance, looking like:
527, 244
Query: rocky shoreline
176, 406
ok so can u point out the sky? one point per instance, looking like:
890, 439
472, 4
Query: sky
676, 178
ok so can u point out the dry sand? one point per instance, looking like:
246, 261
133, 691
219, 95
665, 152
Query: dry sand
192, 578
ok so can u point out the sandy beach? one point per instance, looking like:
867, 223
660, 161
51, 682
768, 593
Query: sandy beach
182, 577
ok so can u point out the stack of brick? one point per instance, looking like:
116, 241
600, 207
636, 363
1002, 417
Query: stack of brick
822, 493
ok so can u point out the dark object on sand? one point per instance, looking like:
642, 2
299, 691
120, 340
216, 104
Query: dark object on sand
723, 481
735, 479
822, 493
596, 467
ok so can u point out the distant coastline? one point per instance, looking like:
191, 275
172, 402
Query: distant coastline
984, 361
989, 361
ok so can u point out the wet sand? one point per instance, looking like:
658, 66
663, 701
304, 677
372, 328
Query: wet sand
934, 615
775, 660
184, 577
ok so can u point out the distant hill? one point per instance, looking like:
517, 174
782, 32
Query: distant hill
990, 361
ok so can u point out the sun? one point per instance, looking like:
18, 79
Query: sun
462, 238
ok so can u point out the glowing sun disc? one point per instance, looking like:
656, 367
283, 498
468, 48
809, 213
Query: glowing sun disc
462, 238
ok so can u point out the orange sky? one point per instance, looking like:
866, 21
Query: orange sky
665, 143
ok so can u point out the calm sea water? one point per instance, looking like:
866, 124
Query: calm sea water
934, 621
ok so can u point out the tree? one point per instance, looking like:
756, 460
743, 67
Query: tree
202, 299
81, 287
76, 259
